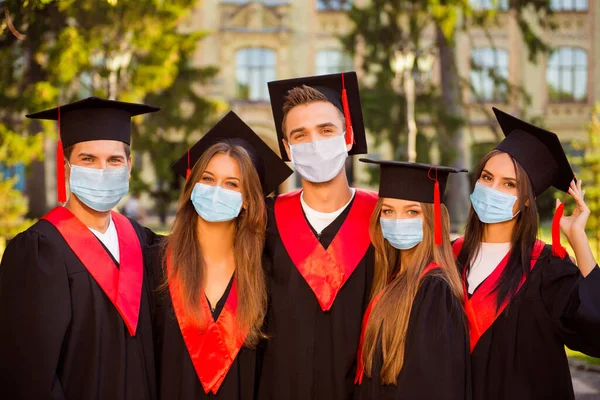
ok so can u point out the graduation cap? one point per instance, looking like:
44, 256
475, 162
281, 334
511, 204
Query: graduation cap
340, 89
417, 182
90, 119
542, 156
271, 169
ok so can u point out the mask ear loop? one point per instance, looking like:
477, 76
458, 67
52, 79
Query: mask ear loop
437, 208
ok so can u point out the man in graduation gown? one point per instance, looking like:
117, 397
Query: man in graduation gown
74, 297
318, 245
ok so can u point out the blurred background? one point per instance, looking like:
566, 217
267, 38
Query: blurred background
429, 73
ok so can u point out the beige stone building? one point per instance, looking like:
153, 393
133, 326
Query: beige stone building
254, 41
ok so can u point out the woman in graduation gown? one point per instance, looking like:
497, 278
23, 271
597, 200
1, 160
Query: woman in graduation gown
414, 343
209, 315
525, 300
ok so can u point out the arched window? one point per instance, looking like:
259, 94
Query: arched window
567, 75
489, 74
332, 62
255, 67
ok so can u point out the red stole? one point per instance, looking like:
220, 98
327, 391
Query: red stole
325, 271
481, 308
122, 285
213, 347
360, 367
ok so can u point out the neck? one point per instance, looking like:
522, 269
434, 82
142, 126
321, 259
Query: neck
500, 232
96, 220
327, 196
216, 241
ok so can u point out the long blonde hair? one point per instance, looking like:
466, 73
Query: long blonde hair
390, 316
187, 265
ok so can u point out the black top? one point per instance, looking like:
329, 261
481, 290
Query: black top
60, 335
94, 119
272, 171
411, 181
538, 151
330, 86
436, 356
216, 310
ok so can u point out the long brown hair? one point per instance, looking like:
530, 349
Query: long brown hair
389, 317
186, 254
523, 237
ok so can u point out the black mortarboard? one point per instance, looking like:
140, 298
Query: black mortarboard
538, 151
340, 89
417, 182
94, 119
271, 169
89, 119
411, 181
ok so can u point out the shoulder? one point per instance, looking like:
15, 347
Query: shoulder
553, 267
434, 290
42, 232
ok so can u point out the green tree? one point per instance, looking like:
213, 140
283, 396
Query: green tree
385, 26
64, 50
588, 166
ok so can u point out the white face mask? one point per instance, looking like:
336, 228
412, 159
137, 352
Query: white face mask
319, 161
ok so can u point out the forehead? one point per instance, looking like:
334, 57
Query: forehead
312, 114
502, 165
99, 148
223, 165
399, 203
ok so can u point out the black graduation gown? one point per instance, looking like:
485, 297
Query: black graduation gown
60, 335
521, 355
177, 378
436, 363
310, 354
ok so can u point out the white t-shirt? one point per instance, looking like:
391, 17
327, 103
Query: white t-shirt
320, 220
486, 261
109, 239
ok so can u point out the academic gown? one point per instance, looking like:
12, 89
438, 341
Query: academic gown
61, 337
311, 353
521, 354
177, 377
436, 355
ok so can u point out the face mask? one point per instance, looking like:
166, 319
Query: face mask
215, 204
319, 161
491, 205
99, 189
403, 234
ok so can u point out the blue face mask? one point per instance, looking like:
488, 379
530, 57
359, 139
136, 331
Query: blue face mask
403, 234
99, 189
215, 204
491, 205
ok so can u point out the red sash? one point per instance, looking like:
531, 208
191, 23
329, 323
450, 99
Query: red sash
325, 271
213, 347
360, 367
481, 308
123, 285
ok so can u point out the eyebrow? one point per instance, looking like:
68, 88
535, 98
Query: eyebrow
229, 177
505, 178
122, 157
302, 128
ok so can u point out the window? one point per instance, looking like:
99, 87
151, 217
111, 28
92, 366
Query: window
567, 75
333, 62
334, 5
18, 171
489, 4
254, 68
569, 5
489, 73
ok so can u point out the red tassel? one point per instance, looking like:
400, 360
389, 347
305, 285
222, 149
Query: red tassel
61, 191
347, 116
557, 248
437, 214
188, 171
